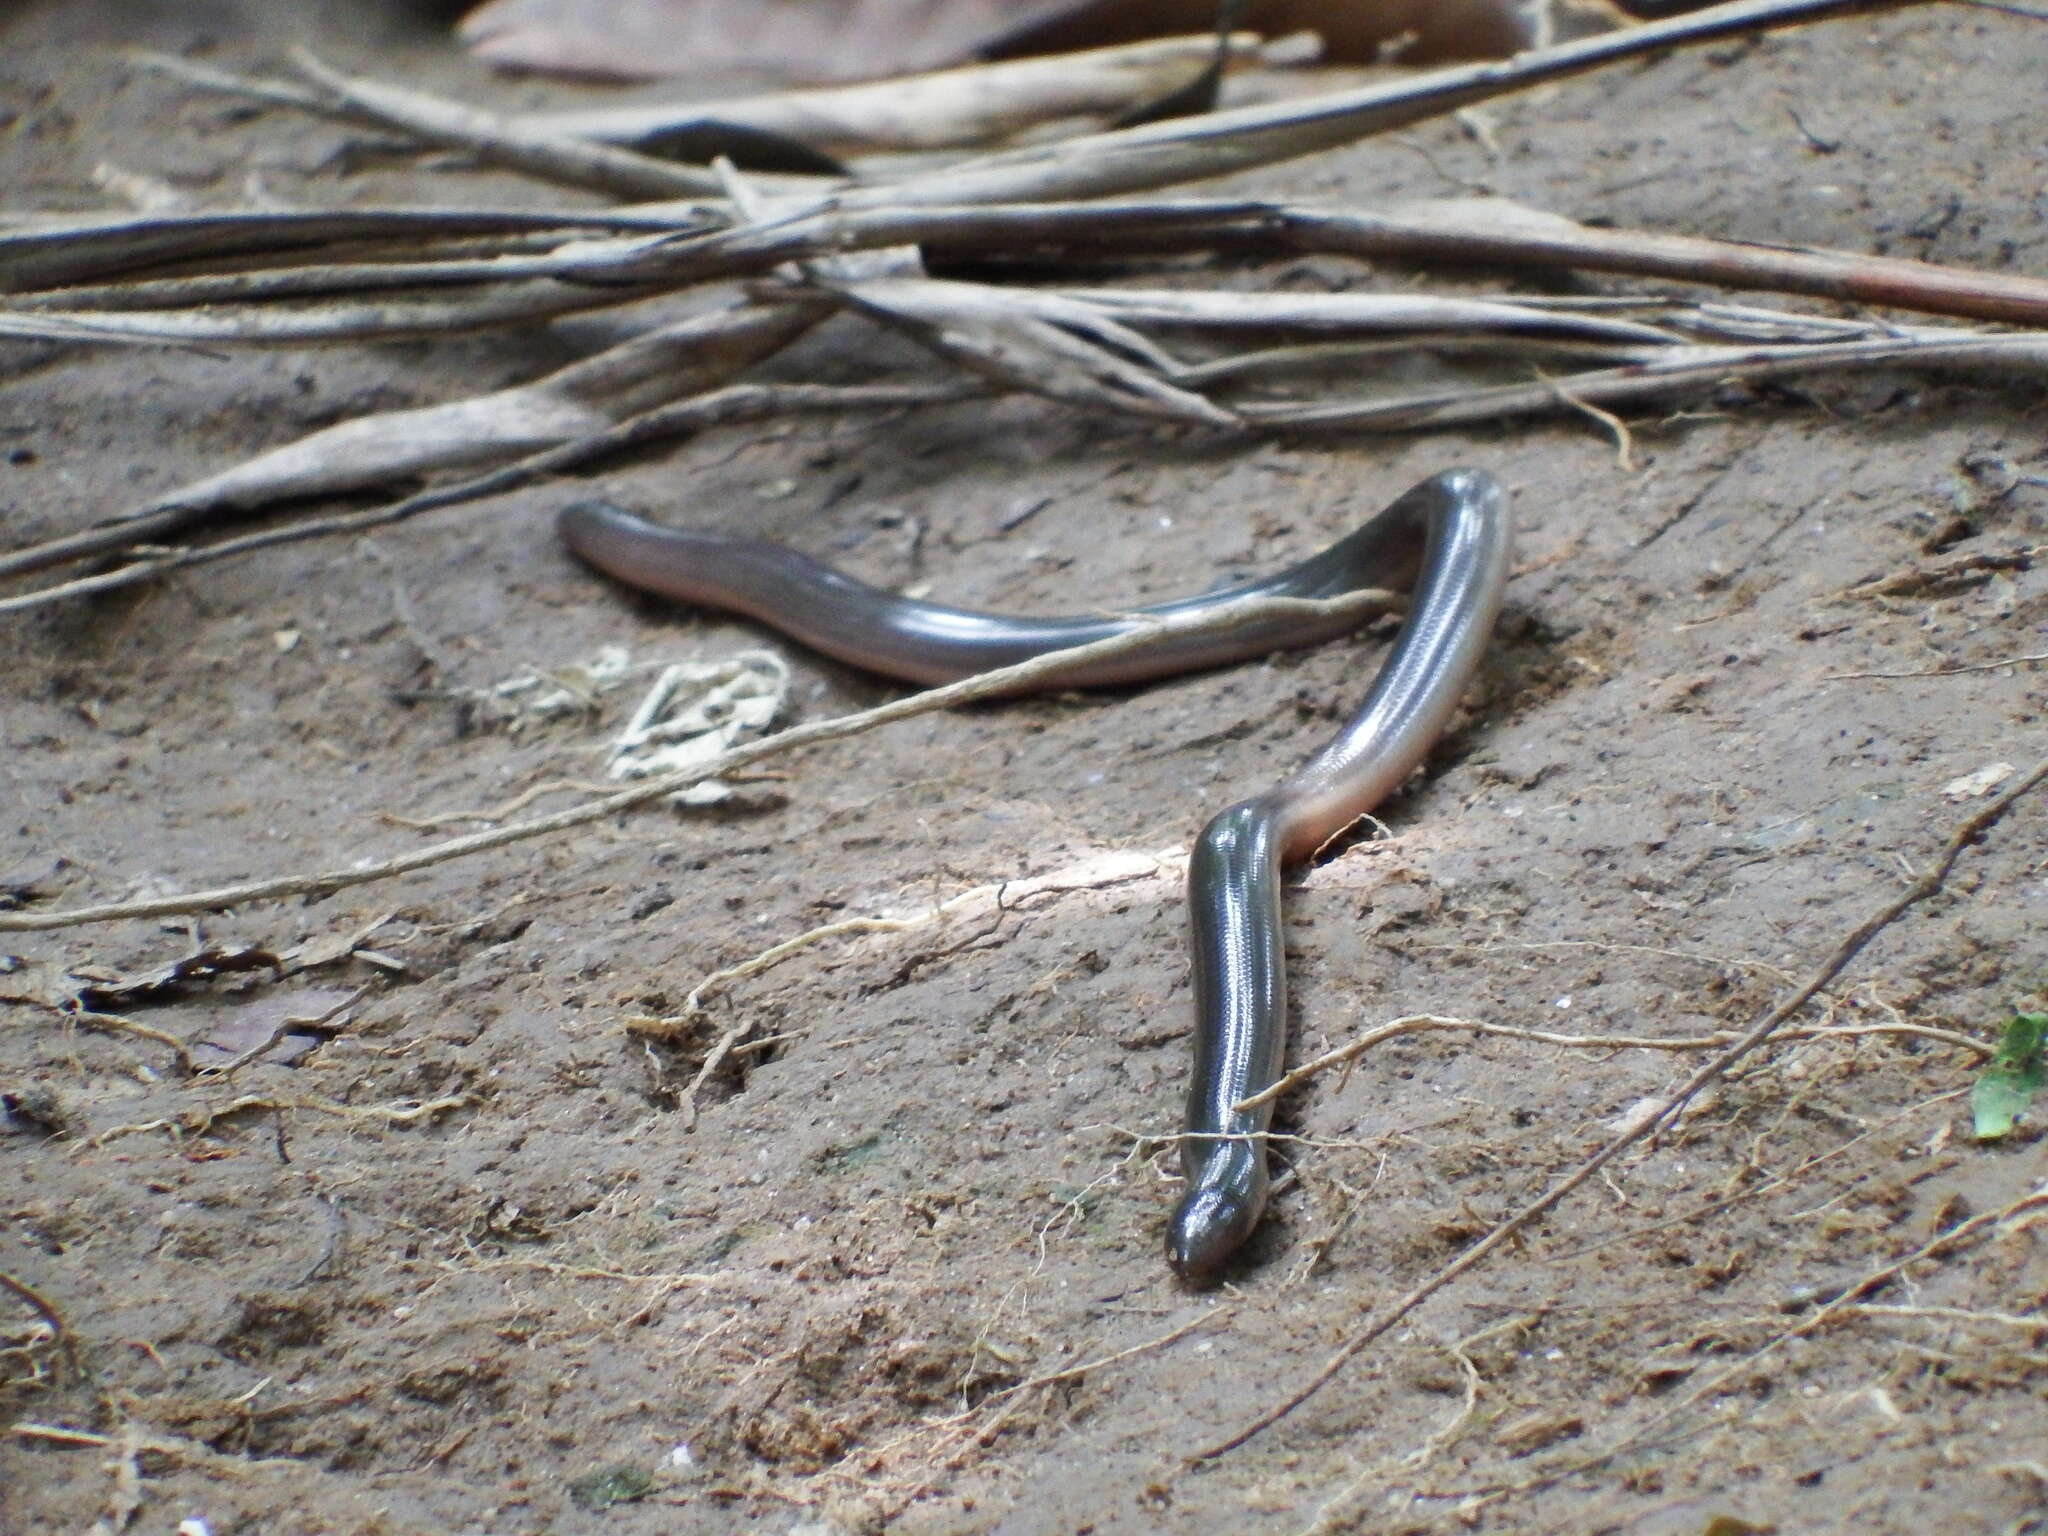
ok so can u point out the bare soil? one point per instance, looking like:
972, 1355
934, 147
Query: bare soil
903, 1269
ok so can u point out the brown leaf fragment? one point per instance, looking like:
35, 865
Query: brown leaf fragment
165, 981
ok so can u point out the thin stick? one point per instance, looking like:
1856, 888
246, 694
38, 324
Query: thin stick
1936, 876
1469, 232
1012, 679
57, 1434
1427, 1023
1431, 233
510, 303
38, 1303
121, 1024
1477, 234
1615, 427
2035, 1324
194, 1122
271, 284
61, 1333
1958, 671
1678, 367
79, 248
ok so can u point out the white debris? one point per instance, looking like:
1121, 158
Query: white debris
1974, 786
566, 690
694, 712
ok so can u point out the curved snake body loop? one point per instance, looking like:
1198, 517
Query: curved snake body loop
1450, 534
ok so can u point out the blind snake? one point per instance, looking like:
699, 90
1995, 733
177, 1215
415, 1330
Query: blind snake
1450, 534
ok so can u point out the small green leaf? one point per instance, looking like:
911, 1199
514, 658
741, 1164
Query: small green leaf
2011, 1079
599, 1491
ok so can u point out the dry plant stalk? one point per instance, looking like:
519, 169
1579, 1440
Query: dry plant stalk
195, 1122
945, 109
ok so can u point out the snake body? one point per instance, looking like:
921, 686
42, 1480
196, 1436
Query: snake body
1450, 534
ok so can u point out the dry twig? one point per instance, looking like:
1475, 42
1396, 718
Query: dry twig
41, 1305
1425, 1023
195, 1122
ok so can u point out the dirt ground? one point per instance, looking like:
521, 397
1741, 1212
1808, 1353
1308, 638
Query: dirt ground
469, 1266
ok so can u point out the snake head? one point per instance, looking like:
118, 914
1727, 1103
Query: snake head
1222, 1205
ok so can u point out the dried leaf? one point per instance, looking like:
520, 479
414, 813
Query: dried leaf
1974, 786
856, 39
164, 981
947, 109
802, 39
